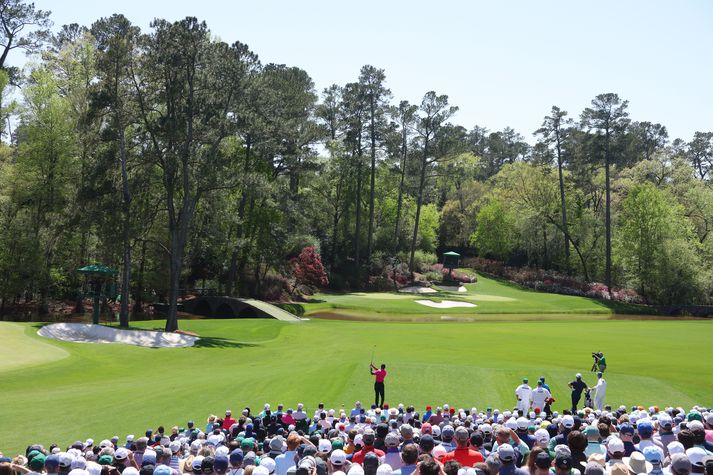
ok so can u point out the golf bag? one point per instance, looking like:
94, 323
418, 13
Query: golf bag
588, 399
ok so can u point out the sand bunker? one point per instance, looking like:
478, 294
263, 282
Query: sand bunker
444, 304
453, 288
86, 333
417, 290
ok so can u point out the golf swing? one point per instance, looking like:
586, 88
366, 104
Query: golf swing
380, 375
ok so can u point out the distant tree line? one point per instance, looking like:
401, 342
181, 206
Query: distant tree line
185, 161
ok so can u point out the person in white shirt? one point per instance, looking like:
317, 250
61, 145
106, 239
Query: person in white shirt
523, 393
299, 414
540, 395
600, 391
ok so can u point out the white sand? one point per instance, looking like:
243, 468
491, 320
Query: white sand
417, 290
453, 288
444, 304
87, 333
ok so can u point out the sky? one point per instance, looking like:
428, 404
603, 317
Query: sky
503, 63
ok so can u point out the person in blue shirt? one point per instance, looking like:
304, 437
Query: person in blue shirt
409, 457
545, 385
577, 387
427, 415
626, 434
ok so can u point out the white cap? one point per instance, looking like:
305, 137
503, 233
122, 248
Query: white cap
615, 444
438, 451
384, 469
542, 436
675, 447
695, 425
197, 461
695, 455
324, 446
268, 463
79, 462
522, 423
121, 453
65, 459
338, 458
175, 446
568, 421
578, 375
260, 470
93, 468
356, 469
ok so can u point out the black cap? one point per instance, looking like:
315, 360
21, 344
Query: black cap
563, 461
207, 464
427, 442
543, 460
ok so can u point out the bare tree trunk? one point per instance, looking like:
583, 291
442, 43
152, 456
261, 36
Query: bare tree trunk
562, 203
139, 293
397, 230
607, 219
126, 223
419, 201
372, 185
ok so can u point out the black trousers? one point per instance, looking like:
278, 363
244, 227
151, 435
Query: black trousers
379, 391
575, 400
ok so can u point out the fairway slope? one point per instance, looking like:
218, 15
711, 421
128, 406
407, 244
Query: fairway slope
101, 390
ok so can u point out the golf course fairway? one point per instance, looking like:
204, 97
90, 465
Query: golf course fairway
55, 391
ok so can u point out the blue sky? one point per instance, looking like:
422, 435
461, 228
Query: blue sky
504, 63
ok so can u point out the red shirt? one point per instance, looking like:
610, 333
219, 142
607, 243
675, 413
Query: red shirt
227, 422
467, 457
359, 456
380, 375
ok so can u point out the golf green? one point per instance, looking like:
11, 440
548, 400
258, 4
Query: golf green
490, 297
99, 390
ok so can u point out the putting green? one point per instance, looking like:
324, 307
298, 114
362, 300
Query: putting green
17, 351
491, 296
488, 298
103, 390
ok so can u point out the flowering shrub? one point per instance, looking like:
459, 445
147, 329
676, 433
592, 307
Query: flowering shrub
551, 281
455, 275
308, 269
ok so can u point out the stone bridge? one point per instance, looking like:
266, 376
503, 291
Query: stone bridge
234, 307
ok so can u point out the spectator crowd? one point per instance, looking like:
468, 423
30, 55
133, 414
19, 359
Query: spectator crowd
399, 441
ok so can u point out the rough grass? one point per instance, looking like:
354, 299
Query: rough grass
104, 390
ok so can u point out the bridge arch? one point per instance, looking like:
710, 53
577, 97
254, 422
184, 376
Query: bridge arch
224, 310
203, 308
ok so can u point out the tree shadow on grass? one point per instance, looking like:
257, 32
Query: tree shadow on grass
202, 342
215, 342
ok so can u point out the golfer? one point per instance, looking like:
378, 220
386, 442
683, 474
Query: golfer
577, 387
380, 375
